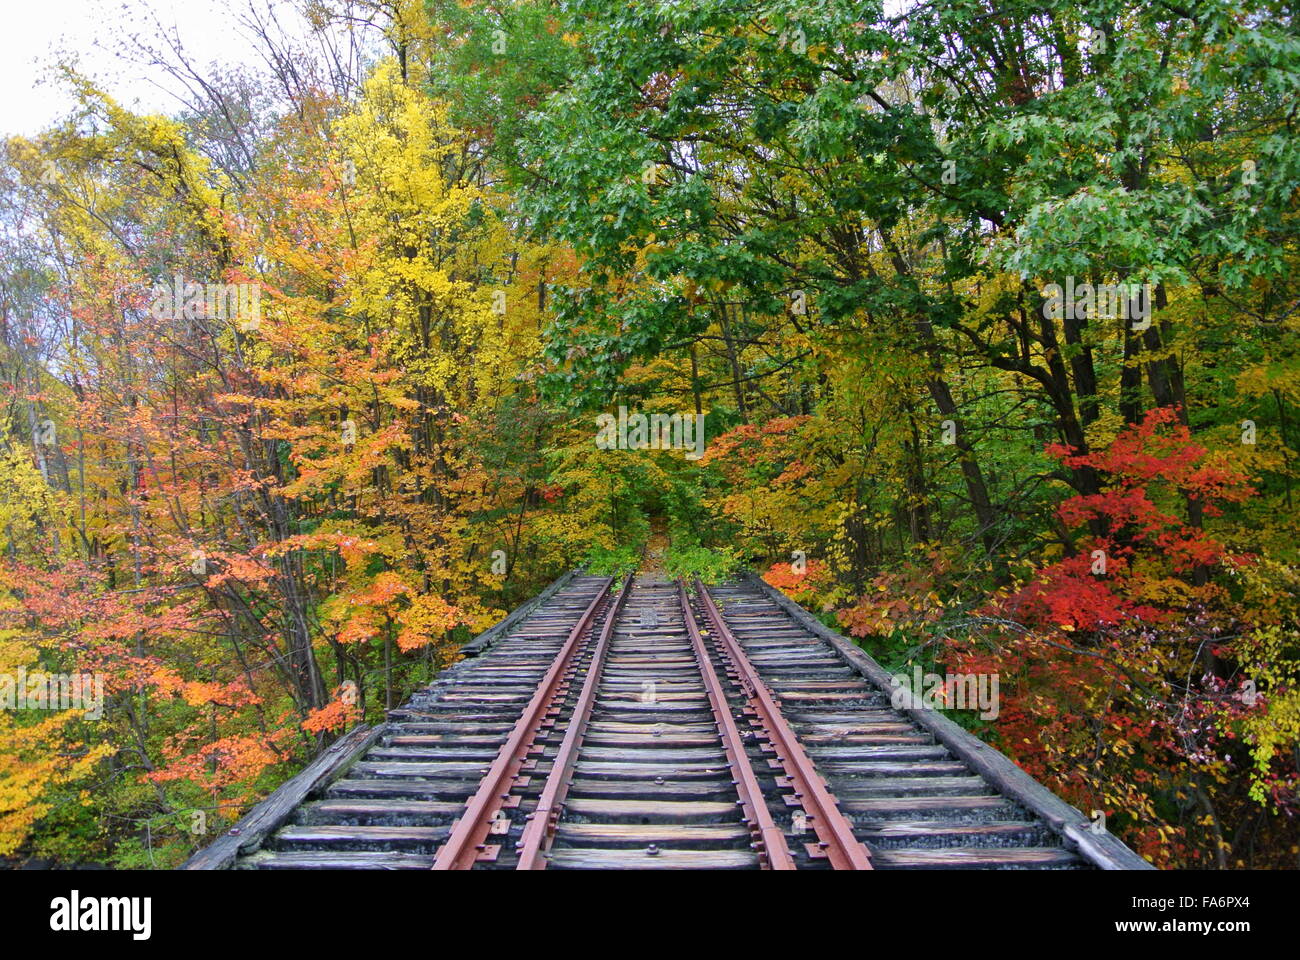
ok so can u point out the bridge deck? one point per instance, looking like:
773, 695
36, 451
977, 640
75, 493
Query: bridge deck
656, 726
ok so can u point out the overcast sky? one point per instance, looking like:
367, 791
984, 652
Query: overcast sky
35, 30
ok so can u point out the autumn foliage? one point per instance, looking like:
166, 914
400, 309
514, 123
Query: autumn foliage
472, 228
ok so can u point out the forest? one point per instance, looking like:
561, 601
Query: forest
972, 326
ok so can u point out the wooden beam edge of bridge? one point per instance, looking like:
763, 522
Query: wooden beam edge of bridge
254, 827
1102, 850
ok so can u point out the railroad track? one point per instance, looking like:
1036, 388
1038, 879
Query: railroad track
650, 724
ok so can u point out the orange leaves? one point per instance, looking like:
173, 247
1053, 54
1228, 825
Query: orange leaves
351, 459
800, 585
254, 505
246, 569
359, 614
168, 683
338, 714
224, 762
361, 626
382, 592
793, 473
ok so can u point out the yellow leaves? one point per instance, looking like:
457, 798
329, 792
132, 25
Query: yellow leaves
26, 501
354, 549
35, 758
364, 613
424, 620
237, 398
1261, 379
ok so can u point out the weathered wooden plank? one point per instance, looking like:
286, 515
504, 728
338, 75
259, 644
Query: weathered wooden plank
934, 806
415, 789
249, 833
623, 834
711, 753
971, 858
583, 858
847, 740
876, 769
651, 810
436, 752
713, 787
332, 811
923, 829
903, 779
398, 769
639, 771
338, 860
865, 752
668, 737
359, 837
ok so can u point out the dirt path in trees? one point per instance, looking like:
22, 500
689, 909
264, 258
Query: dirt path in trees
652, 561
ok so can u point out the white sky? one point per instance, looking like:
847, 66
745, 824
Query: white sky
34, 30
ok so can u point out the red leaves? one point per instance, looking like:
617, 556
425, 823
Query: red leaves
1103, 585
800, 586
1154, 459
1160, 448
1068, 596
753, 443
1098, 650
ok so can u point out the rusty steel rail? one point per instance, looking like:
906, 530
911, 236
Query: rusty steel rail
834, 832
467, 843
769, 841
539, 831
